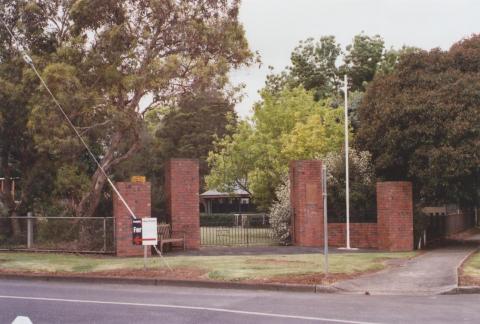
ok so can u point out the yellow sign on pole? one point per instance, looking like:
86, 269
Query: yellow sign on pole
138, 179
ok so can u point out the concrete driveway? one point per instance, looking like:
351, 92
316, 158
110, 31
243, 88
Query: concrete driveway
433, 272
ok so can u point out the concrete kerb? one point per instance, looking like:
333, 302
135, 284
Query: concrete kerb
466, 289
176, 283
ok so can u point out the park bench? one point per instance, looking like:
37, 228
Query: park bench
166, 236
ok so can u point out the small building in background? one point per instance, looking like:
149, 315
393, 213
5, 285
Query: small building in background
236, 202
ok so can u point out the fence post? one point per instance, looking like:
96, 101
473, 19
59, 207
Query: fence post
104, 234
29, 230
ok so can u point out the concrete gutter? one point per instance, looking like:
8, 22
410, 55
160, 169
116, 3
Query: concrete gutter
463, 290
175, 283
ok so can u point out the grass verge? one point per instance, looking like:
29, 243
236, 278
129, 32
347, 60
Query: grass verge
470, 272
300, 268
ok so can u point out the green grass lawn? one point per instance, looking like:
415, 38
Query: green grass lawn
472, 267
231, 268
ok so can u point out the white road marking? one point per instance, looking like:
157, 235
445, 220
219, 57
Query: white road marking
22, 320
210, 309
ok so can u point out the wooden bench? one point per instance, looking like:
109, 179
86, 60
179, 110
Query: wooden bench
166, 235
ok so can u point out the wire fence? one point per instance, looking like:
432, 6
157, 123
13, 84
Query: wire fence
60, 234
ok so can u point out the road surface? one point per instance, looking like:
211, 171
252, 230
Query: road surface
62, 302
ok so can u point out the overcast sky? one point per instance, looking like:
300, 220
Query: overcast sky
274, 28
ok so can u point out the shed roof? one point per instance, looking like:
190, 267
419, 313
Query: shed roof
213, 193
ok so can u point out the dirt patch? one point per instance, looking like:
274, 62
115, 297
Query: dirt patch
464, 280
274, 261
307, 279
178, 273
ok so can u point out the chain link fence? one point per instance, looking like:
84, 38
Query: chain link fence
60, 234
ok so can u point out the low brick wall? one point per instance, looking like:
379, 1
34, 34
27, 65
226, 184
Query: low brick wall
362, 235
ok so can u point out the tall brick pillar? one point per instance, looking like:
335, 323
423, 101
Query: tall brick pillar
395, 215
138, 197
307, 202
182, 189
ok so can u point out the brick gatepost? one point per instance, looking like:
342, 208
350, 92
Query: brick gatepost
182, 191
395, 215
138, 197
307, 202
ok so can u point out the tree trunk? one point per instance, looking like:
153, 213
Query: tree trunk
9, 201
91, 199
6, 195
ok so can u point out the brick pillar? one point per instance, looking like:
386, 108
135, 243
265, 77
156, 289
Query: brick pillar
307, 202
138, 197
395, 215
182, 190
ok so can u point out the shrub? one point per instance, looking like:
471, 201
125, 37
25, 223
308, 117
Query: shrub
280, 213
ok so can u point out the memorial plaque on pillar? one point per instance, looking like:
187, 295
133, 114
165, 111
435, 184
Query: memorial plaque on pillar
311, 195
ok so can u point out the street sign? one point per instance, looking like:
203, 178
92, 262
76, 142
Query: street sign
137, 231
149, 231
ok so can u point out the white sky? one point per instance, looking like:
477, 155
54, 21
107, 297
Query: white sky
274, 28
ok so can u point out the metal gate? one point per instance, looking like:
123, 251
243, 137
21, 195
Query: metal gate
236, 230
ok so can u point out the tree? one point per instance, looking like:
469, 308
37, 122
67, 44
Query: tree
186, 130
108, 57
285, 126
391, 58
190, 130
362, 60
18, 158
422, 122
314, 66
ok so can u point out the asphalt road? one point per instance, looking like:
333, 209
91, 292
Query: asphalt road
61, 302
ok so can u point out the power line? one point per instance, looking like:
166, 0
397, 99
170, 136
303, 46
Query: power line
29, 62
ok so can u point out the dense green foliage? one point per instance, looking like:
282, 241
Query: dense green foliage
362, 183
422, 122
186, 130
315, 65
286, 126
106, 62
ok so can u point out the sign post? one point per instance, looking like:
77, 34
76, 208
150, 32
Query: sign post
149, 236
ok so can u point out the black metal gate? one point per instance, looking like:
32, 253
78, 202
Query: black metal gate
236, 230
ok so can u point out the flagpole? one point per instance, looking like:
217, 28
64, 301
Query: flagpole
347, 176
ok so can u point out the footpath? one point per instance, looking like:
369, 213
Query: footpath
434, 272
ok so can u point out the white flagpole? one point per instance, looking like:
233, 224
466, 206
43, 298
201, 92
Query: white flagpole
347, 182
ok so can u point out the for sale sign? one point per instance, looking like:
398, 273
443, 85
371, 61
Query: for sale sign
149, 231
137, 231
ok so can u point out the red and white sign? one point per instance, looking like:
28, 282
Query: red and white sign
149, 231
